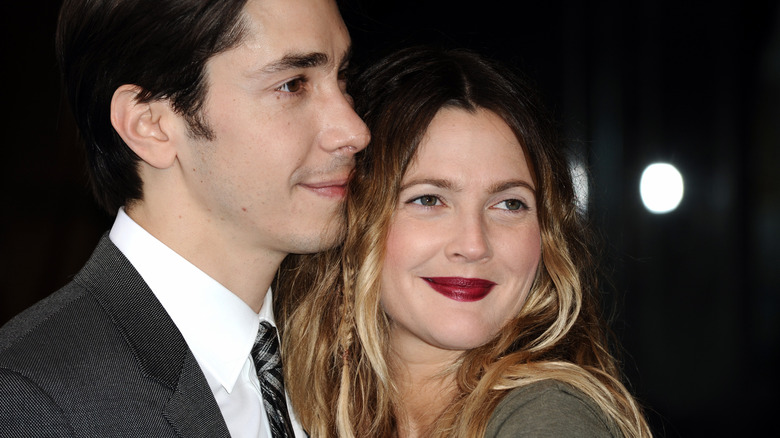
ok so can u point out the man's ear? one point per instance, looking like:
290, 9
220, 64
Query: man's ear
145, 127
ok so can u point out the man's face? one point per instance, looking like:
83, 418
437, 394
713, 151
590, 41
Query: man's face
285, 133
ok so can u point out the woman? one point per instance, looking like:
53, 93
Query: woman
463, 302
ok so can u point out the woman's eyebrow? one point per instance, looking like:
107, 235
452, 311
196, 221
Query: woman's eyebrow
449, 185
436, 182
506, 185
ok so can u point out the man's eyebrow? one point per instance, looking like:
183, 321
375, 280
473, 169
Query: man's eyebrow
293, 61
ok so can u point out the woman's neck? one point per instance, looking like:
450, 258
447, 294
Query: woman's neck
426, 387
420, 405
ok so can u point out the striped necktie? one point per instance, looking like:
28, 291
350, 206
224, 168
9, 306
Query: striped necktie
268, 363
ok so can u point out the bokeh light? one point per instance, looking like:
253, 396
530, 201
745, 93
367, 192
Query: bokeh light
661, 188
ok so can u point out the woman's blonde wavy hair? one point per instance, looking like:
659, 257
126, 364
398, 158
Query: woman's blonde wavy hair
335, 333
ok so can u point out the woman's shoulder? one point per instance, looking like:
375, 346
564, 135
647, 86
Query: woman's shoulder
549, 408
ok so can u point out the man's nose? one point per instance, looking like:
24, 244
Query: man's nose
343, 131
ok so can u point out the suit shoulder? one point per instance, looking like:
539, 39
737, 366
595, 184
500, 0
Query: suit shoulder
549, 409
41, 318
49, 317
38, 414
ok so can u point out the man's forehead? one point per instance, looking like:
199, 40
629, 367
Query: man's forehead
296, 33
292, 17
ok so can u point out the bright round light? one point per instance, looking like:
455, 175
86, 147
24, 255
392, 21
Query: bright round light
661, 188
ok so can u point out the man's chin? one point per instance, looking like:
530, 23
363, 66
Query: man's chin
328, 237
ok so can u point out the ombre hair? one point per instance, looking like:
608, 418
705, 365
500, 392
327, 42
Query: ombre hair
335, 333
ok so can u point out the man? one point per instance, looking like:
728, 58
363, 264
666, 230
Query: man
221, 134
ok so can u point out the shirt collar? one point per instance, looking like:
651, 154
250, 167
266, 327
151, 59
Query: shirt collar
219, 327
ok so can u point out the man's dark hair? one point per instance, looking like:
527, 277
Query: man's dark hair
161, 46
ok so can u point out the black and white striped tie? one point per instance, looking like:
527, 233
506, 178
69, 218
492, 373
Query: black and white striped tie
268, 363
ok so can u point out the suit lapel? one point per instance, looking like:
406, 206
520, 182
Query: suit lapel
191, 408
157, 344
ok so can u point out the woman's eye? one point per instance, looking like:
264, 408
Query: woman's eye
292, 86
511, 204
426, 200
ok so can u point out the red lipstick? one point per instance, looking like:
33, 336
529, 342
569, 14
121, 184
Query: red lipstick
461, 289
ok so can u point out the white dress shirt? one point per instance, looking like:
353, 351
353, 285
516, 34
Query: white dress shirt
219, 327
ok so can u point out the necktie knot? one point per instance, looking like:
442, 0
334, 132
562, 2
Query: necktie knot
266, 350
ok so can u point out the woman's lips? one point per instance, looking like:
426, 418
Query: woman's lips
461, 289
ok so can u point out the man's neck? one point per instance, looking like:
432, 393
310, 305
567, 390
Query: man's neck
244, 270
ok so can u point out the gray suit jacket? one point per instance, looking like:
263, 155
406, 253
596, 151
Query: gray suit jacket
102, 358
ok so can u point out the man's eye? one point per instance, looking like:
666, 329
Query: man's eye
292, 86
426, 200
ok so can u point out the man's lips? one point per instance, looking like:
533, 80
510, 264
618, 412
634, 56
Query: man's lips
328, 189
461, 289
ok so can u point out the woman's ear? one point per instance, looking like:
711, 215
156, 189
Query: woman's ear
145, 127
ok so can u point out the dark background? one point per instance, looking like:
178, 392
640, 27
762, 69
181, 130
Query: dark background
693, 83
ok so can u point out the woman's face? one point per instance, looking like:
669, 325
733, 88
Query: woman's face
464, 244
